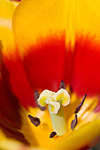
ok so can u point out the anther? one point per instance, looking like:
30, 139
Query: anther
74, 123
36, 95
52, 134
80, 105
34, 120
62, 85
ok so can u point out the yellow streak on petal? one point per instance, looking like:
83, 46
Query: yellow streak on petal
5, 23
85, 114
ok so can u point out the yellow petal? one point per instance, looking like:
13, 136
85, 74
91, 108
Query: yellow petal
88, 17
33, 21
6, 10
82, 137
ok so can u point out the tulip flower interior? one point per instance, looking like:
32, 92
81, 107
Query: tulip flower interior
49, 74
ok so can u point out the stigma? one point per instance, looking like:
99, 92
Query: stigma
54, 100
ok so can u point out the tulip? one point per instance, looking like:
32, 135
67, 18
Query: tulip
49, 74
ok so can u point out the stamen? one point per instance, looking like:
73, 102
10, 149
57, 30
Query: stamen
80, 105
34, 120
74, 123
62, 85
36, 95
52, 134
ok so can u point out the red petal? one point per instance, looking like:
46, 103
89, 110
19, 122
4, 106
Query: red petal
44, 63
10, 119
86, 66
17, 78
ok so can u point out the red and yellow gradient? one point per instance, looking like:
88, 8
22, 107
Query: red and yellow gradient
12, 63
45, 42
62, 41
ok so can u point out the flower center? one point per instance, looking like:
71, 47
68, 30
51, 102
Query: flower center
56, 102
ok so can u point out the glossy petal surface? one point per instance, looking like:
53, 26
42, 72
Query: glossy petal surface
43, 48
61, 42
55, 40
10, 58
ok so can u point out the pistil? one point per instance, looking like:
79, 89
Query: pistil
59, 122
56, 102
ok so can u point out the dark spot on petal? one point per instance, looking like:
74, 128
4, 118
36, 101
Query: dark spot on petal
80, 105
52, 134
62, 85
74, 123
36, 95
34, 120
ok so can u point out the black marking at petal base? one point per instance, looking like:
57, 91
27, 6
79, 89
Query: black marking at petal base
74, 123
52, 134
62, 85
80, 105
34, 120
36, 95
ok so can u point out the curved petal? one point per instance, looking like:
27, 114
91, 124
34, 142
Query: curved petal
41, 39
12, 86
85, 140
86, 72
48, 30
10, 57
